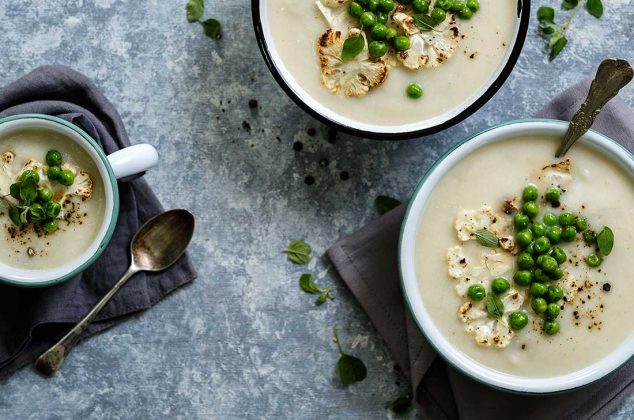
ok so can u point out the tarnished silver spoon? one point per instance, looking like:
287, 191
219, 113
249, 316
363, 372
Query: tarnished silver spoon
159, 243
612, 75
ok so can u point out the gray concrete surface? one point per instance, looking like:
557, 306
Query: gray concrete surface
243, 341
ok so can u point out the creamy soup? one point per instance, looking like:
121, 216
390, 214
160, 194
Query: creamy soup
82, 204
597, 307
481, 44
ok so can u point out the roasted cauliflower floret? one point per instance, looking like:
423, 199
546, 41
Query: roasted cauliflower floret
470, 221
354, 77
427, 49
7, 159
334, 3
6, 172
336, 14
489, 331
556, 175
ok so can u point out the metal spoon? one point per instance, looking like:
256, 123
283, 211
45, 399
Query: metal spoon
159, 243
612, 75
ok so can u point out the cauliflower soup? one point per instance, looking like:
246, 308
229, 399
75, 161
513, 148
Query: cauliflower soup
53, 199
412, 63
522, 259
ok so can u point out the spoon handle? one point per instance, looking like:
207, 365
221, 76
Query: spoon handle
52, 359
611, 76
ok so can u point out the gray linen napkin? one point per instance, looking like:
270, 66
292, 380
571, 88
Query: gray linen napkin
33, 319
367, 262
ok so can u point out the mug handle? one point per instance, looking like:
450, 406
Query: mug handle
133, 160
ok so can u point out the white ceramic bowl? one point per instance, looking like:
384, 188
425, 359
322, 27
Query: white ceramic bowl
413, 293
417, 129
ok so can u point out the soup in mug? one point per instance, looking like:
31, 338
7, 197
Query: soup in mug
426, 67
523, 260
59, 222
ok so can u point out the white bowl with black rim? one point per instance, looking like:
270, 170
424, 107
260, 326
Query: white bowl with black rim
425, 126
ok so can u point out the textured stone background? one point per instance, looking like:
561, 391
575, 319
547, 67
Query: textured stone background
243, 341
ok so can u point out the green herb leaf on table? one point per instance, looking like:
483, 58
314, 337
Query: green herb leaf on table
194, 9
569, 4
557, 46
352, 47
211, 28
546, 14
423, 22
401, 405
495, 307
323, 297
298, 252
605, 240
349, 368
487, 238
308, 285
383, 203
595, 8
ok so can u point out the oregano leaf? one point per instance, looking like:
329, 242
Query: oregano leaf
487, 238
557, 46
298, 252
423, 22
211, 28
350, 369
605, 240
384, 203
595, 8
352, 47
546, 14
194, 9
495, 307
308, 285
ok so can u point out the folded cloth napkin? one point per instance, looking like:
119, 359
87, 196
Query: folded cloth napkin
31, 320
367, 262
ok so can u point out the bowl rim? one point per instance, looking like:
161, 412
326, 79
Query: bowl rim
537, 386
112, 220
523, 13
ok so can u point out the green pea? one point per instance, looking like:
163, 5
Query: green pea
362, 2
377, 49
549, 264
53, 172
539, 229
465, 13
476, 292
355, 9
500, 285
382, 18
30, 175
420, 6
414, 91
530, 193
531, 209
530, 249
444, 4
521, 221
566, 219
593, 260
379, 31
589, 236
518, 320
525, 261
552, 194
386, 6
556, 274
538, 289
553, 310
542, 245
539, 305
540, 276
581, 224
524, 237
523, 277
52, 209
554, 234
50, 226
551, 327
14, 190
559, 255
372, 5
391, 33
540, 260
438, 14
568, 234
367, 19
401, 43
550, 219
554, 293
45, 195
67, 177
457, 5
53, 158
474, 5
36, 212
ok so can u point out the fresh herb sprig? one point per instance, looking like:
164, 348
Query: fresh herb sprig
384, 203
298, 252
194, 10
487, 238
349, 368
308, 285
547, 24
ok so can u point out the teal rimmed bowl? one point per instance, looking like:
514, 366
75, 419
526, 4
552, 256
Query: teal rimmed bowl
121, 164
412, 290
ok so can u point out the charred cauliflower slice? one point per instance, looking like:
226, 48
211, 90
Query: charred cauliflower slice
427, 49
336, 14
470, 221
354, 77
82, 187
6, 172
488, 331
476, 269
556, 175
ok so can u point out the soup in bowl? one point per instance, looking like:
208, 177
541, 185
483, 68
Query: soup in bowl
515, 264
388, 69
